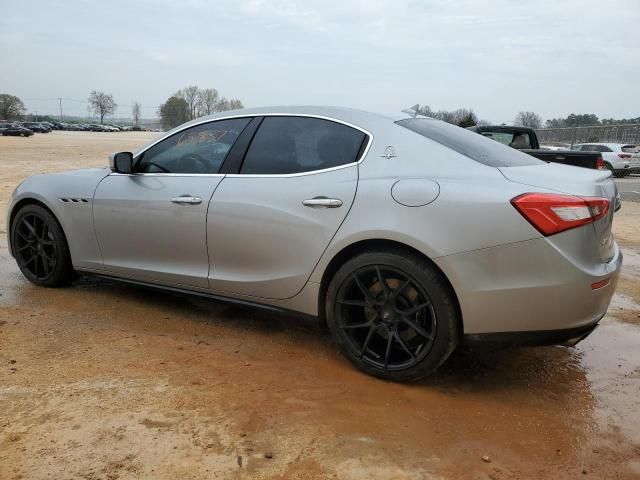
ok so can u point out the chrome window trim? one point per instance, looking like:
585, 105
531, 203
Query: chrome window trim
299, 174
254, 115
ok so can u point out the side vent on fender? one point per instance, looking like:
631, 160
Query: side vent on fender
73, 200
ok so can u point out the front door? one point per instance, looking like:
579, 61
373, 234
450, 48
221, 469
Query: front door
151, 225
269, 224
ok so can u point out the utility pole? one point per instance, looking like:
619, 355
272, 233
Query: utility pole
60, 100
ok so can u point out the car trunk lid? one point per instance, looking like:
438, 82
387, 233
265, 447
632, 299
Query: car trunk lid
579, 182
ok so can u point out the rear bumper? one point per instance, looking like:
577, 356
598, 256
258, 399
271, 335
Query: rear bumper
631, 167
530, 287
568, 337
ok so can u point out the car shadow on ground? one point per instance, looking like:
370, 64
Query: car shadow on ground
472, 366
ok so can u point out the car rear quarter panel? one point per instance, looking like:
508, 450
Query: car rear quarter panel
507, 277
74, 214
472, 210
529, 286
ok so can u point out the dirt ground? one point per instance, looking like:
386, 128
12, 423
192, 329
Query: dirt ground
109, 381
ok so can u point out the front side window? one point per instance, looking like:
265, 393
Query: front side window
284, 145
199, 149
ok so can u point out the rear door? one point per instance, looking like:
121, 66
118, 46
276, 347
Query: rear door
269, 223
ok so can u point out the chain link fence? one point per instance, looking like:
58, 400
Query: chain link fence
601, 134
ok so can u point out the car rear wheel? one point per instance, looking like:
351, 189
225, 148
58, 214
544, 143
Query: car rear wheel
392, 314
40, 247
615, 173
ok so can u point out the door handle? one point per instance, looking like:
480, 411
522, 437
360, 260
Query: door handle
322, 202
186, 200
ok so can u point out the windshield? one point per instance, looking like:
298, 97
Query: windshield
468, 143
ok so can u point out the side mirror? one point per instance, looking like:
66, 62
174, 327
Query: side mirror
121, 162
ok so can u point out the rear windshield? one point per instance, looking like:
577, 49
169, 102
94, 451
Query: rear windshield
468, 143
631, 149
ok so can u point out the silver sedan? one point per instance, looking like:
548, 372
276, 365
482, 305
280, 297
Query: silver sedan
405, 235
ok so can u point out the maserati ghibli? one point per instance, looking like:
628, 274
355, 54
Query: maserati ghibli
404, 235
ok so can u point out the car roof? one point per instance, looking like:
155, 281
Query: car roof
354, 116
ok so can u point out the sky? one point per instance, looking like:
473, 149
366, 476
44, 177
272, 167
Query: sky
498, 57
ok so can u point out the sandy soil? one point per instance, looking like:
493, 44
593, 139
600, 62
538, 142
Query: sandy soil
108, 381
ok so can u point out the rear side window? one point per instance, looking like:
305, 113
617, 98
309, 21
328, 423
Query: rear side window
630, 148
284, 145
468, 143
595, 148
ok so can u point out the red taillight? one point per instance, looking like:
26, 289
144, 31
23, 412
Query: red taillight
600, 284
600, 163
624, 155
551, 213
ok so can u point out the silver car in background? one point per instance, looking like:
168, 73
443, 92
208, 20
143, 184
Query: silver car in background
403, 234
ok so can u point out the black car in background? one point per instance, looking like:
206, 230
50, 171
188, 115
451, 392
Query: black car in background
15, 131
36, 127
526, 140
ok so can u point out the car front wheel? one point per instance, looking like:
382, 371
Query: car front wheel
40, 247
392, 314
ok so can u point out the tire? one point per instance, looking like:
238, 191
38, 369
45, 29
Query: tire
40, 247
614, 172
399, 329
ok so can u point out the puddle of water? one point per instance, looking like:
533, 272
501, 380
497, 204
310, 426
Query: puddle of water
611, 359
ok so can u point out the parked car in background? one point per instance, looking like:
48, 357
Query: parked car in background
621, 158
36, 127
15, 131
403, 234
526, 140
565, 146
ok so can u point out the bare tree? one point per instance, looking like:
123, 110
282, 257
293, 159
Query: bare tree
208, 100
235, 104
136, 112
222, 105
191, 95
528, 119
11, 107
101, 104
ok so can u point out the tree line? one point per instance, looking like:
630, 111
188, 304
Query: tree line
462, 117
193, 102
587, 120
184, 105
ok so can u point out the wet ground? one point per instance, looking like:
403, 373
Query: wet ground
629, 187
107, 381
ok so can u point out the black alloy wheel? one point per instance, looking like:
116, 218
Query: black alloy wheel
392, 315
40, 247
387, 317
